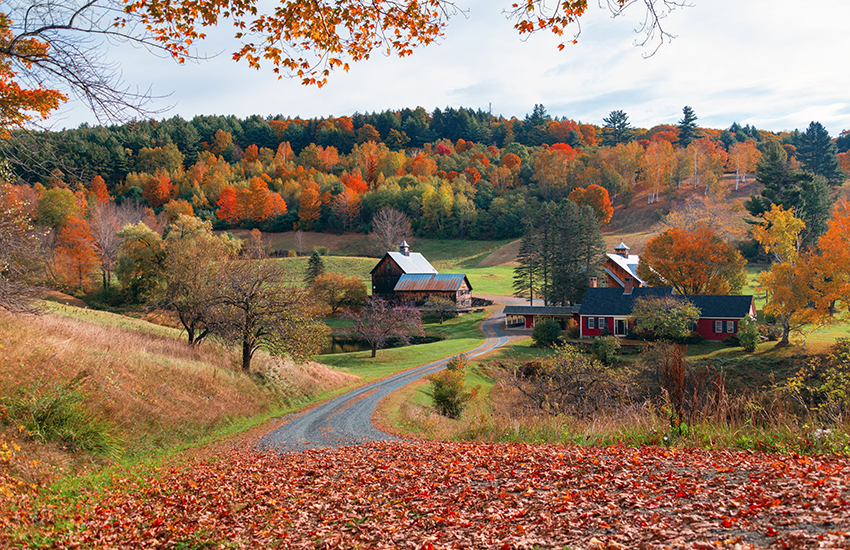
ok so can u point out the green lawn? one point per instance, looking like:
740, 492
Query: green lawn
461, 335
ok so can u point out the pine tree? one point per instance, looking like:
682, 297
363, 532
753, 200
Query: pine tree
817, 154
687, 127
315, 267
617, 129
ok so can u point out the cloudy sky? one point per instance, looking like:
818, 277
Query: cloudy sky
776, 64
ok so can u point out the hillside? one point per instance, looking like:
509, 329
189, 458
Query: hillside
81, 387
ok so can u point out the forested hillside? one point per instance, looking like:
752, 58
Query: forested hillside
457, 173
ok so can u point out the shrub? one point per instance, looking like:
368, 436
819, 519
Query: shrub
545, 333
605, 348
291, 254
321, 250
573, 330
447, 386
57, 415
771, 332
748, 334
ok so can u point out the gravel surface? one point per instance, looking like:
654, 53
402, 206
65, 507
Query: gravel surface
347, 419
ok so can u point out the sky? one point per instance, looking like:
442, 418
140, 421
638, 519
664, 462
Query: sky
775, 64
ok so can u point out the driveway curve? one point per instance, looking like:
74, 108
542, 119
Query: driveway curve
347, 419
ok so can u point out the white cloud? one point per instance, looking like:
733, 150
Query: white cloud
772, 63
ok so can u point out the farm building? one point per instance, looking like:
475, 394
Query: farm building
607, 310
621, 266
526, 316
407, 276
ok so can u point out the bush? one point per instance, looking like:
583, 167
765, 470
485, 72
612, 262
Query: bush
57, 415
605, 348
447, 386
321, 250
732, 341
291, 254
545, 333
771, 332
573, 330
748, 334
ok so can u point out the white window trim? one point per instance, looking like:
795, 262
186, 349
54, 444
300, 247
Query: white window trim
730, 327
718, 326
591, 323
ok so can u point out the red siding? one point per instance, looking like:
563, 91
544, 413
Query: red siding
529, 321
705, 328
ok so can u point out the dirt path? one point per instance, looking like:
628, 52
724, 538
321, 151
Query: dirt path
347, 419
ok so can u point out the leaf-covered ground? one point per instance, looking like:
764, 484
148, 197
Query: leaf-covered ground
456, 495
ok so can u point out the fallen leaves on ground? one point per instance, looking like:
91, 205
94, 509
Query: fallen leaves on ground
426, 495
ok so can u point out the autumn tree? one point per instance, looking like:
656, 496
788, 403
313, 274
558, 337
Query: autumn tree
796, 284
76, 254
743, 158
834, 253
390, 227
346, 206
694, 261
337, 290
190, 273
20, 257
141, 258
440, 307
257, 307
379, 322
656, 164
55, 206
310, 207
597, 198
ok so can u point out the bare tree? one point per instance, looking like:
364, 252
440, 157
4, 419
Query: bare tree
259, 307
390, 226
378, 322
20, 255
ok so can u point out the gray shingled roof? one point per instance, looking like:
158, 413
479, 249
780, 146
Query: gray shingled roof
425, 282
612, 302
541, 310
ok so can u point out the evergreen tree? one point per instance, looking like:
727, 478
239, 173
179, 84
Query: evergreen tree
687, 127
817, 154
617, 129
315, 267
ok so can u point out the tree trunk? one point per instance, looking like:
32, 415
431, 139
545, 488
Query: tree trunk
246, 356
374, 350
786, 331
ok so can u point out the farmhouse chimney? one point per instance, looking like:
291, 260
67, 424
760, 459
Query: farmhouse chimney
630, 284
622, 250
404, 248
593, 282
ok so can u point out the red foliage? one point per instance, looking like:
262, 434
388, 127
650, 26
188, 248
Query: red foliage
466, 495
158, 190
472, 175
355, 182
443, 149
227, 205
597, 198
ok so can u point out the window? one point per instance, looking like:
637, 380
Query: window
730, 327
601, 324
591, 322
718, 326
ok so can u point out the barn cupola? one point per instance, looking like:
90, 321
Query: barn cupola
622, 250
404, 248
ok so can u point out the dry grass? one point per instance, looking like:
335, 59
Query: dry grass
153, 389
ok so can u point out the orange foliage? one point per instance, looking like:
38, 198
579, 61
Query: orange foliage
367, 132
226, 203
844, 162
479, 157
589, 134
355, 182
252, 153
472, 175
511, 161
98, 190
76, 255
310, 207
423, 166
597, 198
462, 145
158, 190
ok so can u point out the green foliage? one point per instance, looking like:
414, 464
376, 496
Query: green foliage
320, 250
57, 415
748, 334
55, 206
822, 386
315, 267
667, 318
545, 333
605, 348
448, 387
141, 257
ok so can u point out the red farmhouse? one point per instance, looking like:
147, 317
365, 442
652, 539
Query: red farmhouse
607, 310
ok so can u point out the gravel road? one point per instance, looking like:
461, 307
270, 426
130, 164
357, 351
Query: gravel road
347, 419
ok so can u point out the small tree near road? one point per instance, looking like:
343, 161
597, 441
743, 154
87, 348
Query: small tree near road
438, 306
378, 322
447, 386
